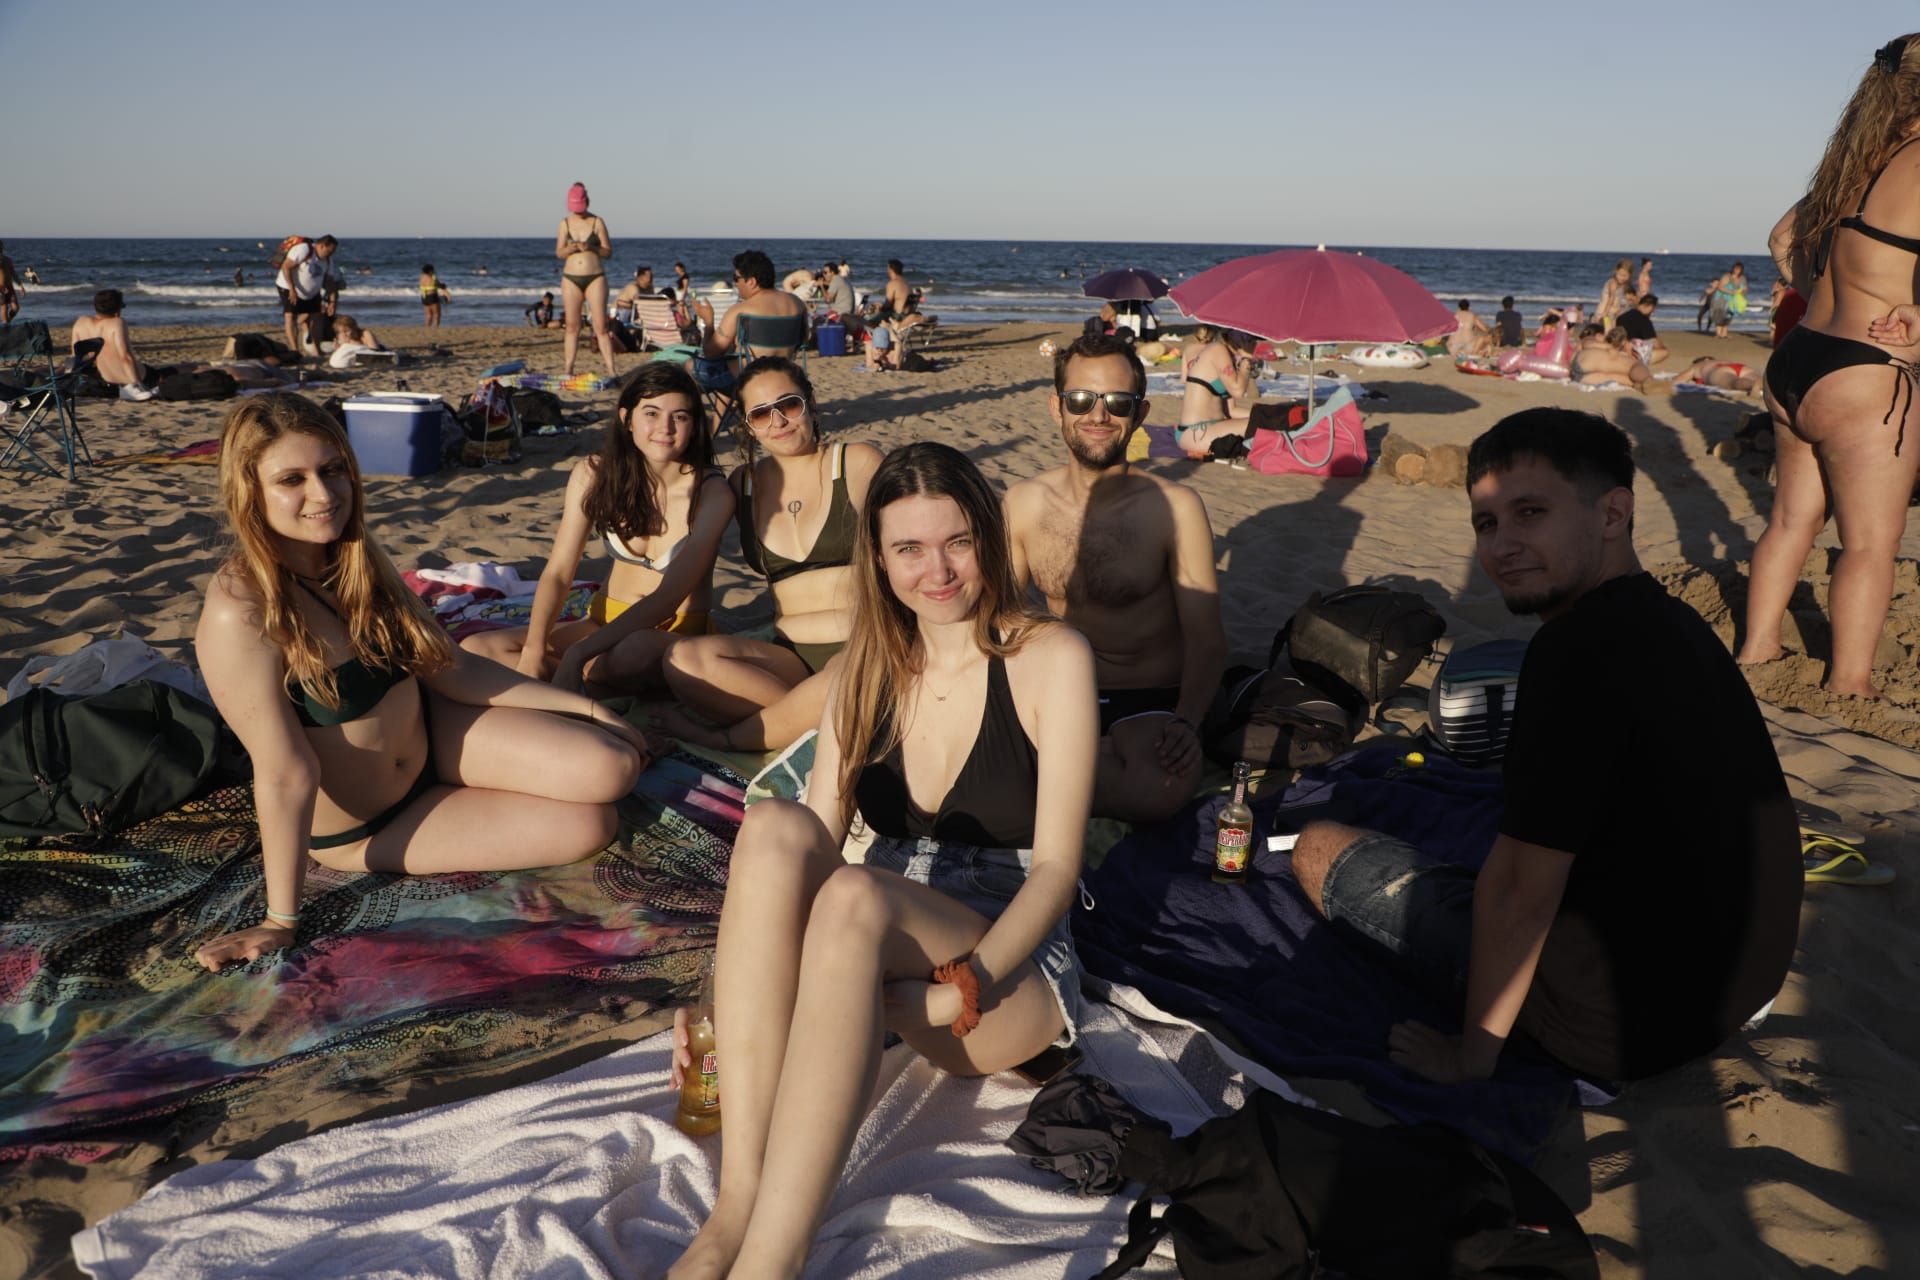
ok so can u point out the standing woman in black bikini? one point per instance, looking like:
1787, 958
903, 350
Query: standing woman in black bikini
798, 507
583, 246
963, 727
376, 744
1841, 386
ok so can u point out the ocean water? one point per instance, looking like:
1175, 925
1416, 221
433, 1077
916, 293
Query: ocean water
184, 281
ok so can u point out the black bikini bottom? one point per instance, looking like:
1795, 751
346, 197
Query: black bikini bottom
1808, 355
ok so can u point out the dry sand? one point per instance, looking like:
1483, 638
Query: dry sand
1791, 1153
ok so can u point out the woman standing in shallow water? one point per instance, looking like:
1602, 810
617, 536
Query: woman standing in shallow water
964, 728
376, 744
1841, 387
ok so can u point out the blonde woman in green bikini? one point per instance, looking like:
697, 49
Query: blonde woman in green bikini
583, 245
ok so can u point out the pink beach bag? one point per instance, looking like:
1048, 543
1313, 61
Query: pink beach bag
1332, 443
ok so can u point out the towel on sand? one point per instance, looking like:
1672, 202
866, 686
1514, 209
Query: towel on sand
586, 1175
1302, 996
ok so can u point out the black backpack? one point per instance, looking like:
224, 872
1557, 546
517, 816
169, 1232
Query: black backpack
107, 761
1359, 644
197, 384
1277, 1189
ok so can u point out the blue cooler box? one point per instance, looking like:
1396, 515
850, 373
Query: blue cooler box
396, 433
832, 339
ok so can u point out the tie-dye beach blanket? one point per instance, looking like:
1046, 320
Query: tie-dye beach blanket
122, 1061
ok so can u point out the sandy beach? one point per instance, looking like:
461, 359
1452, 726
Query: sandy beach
1791, 1153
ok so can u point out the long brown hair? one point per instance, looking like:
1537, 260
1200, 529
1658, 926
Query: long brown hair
884, 655
387, 626
1872, 127
624, 496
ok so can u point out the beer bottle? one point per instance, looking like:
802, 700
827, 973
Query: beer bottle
699, 1113
1233, 833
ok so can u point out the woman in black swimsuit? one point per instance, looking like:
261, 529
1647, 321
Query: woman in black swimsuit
963, 726
1841, 386
376, 744
798, 500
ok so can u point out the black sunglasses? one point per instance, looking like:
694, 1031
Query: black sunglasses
1120, 404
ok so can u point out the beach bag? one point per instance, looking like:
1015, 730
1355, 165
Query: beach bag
1280, 1191
1332, 443
199, 384
1273, 720
537, 408
1470, 709
490, 426
1359, 644
101, 763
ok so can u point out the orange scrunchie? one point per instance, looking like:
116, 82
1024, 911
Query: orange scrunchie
960, 973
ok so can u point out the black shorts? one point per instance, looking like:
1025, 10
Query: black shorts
290, 305
1124, 704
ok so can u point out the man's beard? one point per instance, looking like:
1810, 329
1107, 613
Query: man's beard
1115, 453
1534, 602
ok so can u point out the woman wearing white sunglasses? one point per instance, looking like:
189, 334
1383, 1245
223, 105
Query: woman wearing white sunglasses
798, 504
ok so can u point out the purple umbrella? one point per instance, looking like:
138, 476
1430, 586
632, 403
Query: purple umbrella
1128, 284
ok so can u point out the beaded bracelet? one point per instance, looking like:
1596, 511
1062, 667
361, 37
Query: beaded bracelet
960, 974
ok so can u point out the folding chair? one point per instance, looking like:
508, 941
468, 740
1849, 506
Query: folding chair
654, 318
772, 336
39, 399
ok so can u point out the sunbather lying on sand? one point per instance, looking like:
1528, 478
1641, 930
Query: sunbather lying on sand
377, 745
1729, 375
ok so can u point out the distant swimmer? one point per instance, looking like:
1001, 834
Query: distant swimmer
31, 276
239, 278
478, 271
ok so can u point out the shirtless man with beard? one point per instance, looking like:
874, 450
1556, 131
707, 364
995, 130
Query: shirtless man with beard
1127, 559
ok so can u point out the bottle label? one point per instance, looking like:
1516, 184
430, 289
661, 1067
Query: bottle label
1230, 849
709, 1099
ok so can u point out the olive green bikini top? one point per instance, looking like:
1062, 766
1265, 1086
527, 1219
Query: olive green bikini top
360, 686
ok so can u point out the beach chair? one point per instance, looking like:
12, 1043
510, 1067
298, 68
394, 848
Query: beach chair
39, 400
772, 336
654, 318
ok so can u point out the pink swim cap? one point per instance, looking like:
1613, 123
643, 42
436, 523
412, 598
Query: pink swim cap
577, 198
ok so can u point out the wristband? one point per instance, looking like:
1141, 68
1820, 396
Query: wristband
960, 973
281, 917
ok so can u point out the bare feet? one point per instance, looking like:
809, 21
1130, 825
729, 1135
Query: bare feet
712, 1252
1854, 689
1752, 655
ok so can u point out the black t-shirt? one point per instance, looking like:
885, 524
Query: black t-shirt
1637, 748
1637, 323
1508, 325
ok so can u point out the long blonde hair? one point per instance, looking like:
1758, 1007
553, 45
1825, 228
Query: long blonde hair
884, 655
387, 625
1872, 127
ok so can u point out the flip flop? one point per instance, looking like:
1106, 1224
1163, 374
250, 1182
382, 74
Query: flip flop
1831, 861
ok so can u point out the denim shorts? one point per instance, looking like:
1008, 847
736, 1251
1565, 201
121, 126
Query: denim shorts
986, 880
1419, 909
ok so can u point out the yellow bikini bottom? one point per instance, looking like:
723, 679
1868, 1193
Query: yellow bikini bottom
687, 622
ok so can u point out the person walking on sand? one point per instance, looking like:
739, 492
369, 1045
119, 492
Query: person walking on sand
583, 246
1558, 942
1126, 558
1841, 386
432, 294
377, 744
961, 729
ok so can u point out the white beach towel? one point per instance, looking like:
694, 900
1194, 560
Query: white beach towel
585, 1175
483, 574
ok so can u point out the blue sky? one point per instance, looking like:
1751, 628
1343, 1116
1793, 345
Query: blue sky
1688, 126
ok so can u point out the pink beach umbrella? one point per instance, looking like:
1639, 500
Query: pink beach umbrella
1313, 296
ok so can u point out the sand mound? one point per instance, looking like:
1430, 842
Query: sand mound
1718, 592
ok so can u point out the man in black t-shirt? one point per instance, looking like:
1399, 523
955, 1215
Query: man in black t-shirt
1642, 899
1507, 324
1637, 323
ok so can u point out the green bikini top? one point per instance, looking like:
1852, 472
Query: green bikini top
360, 686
